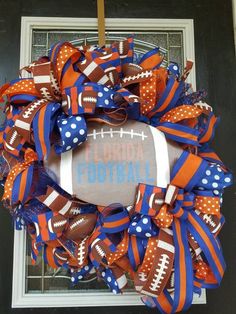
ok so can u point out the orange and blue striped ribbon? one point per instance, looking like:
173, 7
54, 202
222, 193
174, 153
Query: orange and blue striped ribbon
70, 77
179, 133
163, 302
42, 126
107, 242
183, 268
104, 62
21, 186
151, 60
44, 233
116, 222
188, 170
209, 129
104, 98
168, 99
208, 244
136, 251
142, 205
208, 153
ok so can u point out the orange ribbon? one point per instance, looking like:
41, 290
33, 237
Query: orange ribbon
208, 205
202, 270
181, 113
151, 89
122, 249
30, 157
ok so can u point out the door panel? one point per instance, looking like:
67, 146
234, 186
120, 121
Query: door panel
215, 61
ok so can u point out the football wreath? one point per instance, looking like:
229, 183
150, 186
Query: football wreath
106, 161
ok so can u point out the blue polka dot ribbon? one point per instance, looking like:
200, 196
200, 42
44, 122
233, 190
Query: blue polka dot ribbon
143, 227
110, 280
78, 275
215, 179
173, 68
73, 132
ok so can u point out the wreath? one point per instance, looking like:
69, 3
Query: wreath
166, 240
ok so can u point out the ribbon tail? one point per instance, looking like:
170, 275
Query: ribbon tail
183, 294
208, 245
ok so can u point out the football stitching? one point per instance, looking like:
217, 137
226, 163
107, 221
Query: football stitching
90, 99
59, 223
204, 106
34, 106
142, 277
75, 211
209, 221
121, 132
81, 252
76, 223
145, 74
171, 282
54, 82
160, 272
121, 47
45, 93
100, 250
13, 137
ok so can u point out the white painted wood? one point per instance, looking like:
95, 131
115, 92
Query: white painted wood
234, 21
84, 299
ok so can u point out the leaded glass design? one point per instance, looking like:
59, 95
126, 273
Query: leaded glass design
41, 278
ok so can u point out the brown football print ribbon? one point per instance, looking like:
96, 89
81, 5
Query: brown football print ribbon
56, 202
158, 262
21, 131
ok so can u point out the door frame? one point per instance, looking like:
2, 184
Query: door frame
21, 299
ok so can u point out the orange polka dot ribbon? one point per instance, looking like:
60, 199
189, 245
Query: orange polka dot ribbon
201, 270
121, 250
179, 123
66, 52
149, 255
18, 179
147, 90
181, 113
208, 205
21, 91
164, 218
151, 90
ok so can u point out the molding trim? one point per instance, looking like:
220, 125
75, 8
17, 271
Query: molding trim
21, 299
234, 21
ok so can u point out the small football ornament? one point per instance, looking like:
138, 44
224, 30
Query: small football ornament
81, 226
